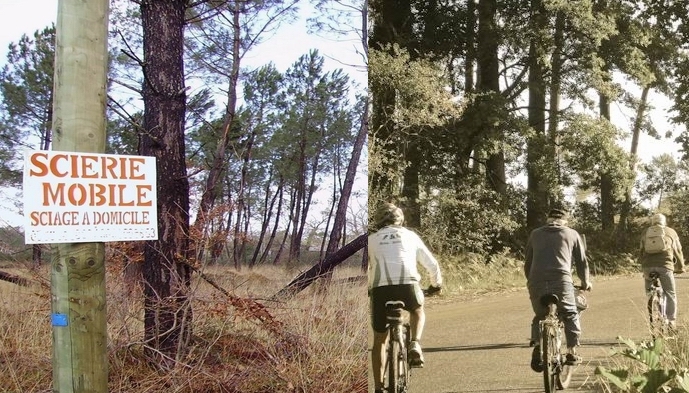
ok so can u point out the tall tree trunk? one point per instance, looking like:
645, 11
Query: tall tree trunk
278, 211
268, 205
537, 199
167, 312
346, 192
487, 51
469, 154
300, 195
298, 204
471, 47
623, 226
555, 87
290, 222
36, 252
308, 171
337, 187
392, 25
215, 233
239, 238
307, 201
607, 196
219, 164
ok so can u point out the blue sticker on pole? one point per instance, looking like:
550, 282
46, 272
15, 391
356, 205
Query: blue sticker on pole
59, 319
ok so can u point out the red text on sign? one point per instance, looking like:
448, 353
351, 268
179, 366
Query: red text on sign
96, 194
87, 166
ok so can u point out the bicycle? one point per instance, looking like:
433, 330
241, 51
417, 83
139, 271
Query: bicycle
656, 305
557, 374
396, 370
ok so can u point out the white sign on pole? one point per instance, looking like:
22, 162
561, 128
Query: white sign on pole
76, 197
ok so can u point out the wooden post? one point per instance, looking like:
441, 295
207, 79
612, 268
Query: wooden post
80, 362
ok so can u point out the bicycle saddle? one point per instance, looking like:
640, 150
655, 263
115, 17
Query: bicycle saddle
395, 304
393, 310
549, 299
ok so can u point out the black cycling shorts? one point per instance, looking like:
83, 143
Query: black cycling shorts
410, 294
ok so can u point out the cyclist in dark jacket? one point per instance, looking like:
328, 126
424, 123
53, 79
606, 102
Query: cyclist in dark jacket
552, 252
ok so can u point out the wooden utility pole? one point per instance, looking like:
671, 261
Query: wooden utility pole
80, 362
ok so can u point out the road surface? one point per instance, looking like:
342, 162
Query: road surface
481, 344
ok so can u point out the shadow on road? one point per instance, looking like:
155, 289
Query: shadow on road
525, 390
479, 347
483, 347
583, 380
600, 343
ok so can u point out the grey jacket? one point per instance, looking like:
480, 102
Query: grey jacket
552, 252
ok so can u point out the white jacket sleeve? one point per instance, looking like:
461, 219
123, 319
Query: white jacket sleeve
428, 261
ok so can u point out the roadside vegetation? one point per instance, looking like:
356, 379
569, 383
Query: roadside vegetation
660, 365
312, 342
473, 274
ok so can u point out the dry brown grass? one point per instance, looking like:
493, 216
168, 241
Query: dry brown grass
322, 346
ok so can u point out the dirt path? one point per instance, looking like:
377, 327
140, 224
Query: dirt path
481, 345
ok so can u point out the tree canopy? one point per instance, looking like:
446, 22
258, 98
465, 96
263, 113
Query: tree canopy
486, 114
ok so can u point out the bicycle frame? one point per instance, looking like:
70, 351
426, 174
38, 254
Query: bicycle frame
556, 374
396, 370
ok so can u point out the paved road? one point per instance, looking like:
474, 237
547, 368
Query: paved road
481, 345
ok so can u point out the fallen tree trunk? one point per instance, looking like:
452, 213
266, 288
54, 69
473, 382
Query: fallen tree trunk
322, 268
4, 276
350, 280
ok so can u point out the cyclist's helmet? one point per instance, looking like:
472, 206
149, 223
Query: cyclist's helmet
658, 219
388, 214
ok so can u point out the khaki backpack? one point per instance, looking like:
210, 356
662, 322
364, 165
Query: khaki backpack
656, 240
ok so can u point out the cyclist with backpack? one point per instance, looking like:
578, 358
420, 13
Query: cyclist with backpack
661, 252
393, 253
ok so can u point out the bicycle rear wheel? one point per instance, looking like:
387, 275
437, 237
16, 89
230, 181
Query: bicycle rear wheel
405, 370
391, 365
397, 369
403, 375
655, 313
551, 363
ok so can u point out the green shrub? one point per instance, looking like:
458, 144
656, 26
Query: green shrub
648, 367
471, 219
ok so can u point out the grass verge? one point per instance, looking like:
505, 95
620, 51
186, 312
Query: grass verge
322, 346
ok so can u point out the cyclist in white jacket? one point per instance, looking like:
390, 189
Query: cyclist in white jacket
393, 252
